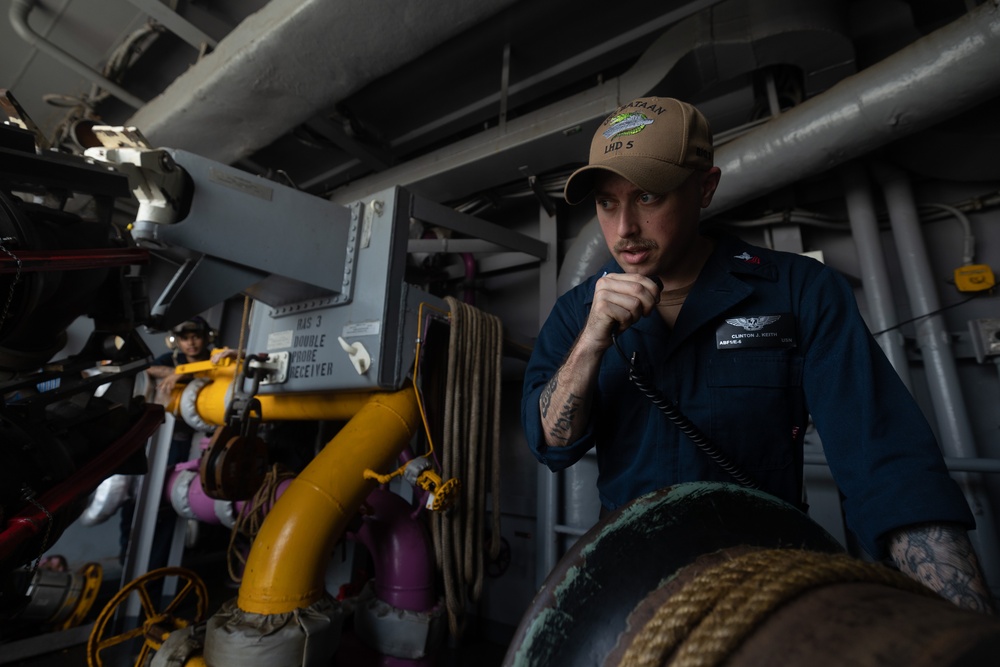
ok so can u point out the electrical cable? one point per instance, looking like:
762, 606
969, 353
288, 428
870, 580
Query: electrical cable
421, 331
680, 420
920, 317
969, 244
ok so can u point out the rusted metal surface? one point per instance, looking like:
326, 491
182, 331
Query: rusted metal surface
870, 625
604, 592
583, 606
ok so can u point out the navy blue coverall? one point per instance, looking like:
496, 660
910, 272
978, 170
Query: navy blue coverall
764, 340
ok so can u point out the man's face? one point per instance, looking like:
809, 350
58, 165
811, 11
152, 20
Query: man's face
650, 233
191, 343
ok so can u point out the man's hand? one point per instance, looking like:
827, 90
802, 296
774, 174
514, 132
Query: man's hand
620, 299
221, 354
941, 557
165, 388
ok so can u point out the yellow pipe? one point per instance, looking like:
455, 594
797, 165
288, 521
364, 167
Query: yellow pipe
288, 558
212, 400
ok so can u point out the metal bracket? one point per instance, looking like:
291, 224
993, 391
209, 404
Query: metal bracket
985, 337
275, 369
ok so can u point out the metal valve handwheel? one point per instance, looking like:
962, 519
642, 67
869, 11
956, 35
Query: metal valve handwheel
156, 625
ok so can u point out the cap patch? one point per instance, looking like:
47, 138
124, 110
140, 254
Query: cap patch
655, 143
626, 124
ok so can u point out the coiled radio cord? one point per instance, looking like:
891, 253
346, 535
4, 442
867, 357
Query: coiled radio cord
680, 420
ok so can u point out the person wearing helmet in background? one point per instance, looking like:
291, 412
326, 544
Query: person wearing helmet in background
189, 342
749, 343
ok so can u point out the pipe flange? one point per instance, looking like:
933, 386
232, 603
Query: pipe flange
395, 632
413, 469
179, 493
226, 512
189, 405
180, 647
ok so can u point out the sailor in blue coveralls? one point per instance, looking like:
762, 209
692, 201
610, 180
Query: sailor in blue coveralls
748, 343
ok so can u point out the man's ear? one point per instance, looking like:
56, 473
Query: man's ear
708, 185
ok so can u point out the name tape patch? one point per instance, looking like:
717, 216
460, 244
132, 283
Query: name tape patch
775, 331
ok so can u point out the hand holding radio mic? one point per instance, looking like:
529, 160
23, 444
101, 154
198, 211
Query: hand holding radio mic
616, 325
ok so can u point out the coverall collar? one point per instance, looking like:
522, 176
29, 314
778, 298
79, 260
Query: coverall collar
721, 285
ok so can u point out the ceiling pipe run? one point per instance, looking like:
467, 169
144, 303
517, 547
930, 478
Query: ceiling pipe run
936, 77
716, 40
292, 60
19, 11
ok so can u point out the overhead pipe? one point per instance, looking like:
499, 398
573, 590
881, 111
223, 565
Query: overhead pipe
560, 133
936, 77
19, 11
175, 23
874, 275
261, 87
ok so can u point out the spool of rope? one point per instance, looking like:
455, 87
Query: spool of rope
469, 448
711, 616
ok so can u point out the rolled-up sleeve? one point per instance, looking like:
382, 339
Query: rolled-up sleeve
881, 450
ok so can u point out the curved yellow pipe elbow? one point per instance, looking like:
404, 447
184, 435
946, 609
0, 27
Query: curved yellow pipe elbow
288, 558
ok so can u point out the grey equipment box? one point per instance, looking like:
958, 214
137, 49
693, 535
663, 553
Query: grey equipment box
376, 313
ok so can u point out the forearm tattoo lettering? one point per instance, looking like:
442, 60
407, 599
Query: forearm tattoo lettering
546, 399
561, 429
942, 558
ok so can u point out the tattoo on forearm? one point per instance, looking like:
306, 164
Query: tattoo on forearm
563, 428
941, 557
546, 398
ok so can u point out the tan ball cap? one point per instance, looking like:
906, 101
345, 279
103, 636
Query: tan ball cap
655, 142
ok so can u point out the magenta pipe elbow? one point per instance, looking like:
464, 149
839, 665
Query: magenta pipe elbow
184, 492
401, 552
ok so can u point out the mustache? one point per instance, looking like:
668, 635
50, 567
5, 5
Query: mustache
624, 245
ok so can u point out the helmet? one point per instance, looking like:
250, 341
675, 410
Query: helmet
196, 324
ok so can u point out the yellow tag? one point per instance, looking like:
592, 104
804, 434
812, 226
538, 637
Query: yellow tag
974, 278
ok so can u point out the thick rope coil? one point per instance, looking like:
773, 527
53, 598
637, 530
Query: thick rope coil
469, 447
708, 619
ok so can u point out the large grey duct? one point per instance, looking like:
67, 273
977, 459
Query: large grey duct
291, 60
938, 76
709, 41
